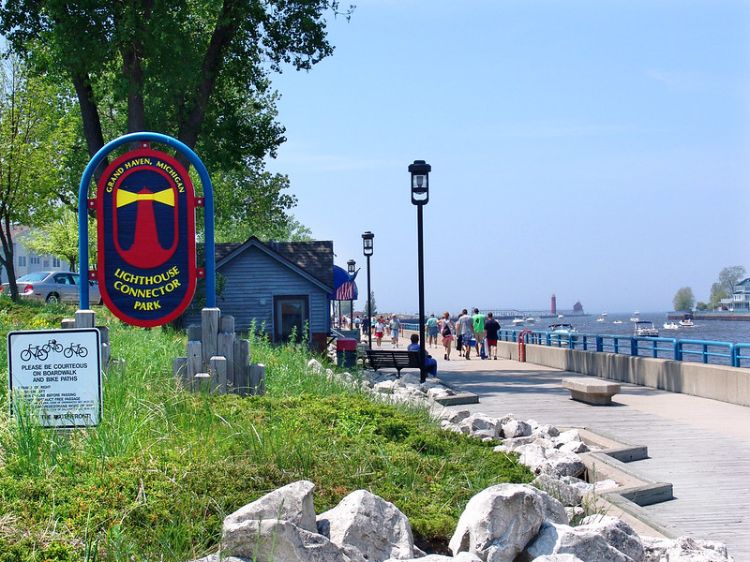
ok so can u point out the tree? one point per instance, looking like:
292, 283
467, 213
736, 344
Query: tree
700, 305
729, 276
374, 306
198, 71
683, 299
717, 293
59, 238
36, 133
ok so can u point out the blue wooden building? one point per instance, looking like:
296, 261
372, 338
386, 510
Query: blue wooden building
281, 286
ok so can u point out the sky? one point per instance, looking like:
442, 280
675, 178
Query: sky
597, 150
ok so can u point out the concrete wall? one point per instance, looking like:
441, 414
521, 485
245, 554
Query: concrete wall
728, 384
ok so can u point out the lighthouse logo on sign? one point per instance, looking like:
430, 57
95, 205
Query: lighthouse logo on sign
145, 210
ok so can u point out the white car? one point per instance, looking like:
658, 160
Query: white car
52, 287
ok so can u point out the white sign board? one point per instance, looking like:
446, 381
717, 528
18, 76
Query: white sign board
58, 372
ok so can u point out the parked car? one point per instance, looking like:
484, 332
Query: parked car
53, 287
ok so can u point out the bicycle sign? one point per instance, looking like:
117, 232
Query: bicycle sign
58, 372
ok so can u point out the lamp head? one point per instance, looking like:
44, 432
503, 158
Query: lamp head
420, 182
367, 248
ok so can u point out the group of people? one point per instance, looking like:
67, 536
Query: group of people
470, 331
389, 328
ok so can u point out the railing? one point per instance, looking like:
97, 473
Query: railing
704, 351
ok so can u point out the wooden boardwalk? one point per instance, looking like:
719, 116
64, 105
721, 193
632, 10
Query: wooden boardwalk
701, 446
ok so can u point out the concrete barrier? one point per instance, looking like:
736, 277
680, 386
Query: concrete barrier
718, 382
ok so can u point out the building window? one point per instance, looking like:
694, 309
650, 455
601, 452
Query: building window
290, 316
55, 262
21, 261
34, 259
46, 264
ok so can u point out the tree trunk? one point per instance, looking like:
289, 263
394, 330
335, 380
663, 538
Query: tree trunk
92, 126
6, 239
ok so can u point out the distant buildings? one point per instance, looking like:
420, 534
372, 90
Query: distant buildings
26, 261
740, 299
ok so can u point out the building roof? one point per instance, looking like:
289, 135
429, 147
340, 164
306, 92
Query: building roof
314, 258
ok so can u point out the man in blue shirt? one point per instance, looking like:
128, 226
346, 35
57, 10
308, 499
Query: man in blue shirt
430, 364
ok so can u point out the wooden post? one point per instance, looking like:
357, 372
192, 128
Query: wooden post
194, 361
201, 382
241, 363
68, 323
218, 370
226, 349
258, 379
105, 348
209, 332
85, 318
104, 351
179, 369
194, 332
227, 324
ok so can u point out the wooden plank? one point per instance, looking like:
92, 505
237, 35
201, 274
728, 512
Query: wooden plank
226, 350
68, 323
179, 369
194, 332
258, 379
209, 332
85, 318
194, 362
241, 366
218, 371
226, 324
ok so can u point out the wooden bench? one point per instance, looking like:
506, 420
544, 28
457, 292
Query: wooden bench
591, 390
394, 359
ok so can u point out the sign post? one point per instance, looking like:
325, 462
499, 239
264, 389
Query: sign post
58, 373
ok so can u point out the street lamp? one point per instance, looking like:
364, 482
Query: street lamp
367, 251
420, 195
350, 268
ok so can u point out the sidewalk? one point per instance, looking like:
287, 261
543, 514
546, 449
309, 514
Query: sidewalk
701, 446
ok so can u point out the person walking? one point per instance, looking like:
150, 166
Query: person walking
465, 333
432, 330
491, 328
448, 332
395, 329
379, 329
478, 325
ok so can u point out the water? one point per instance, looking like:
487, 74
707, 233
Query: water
714, 330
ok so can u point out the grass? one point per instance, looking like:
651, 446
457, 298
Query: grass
157, 477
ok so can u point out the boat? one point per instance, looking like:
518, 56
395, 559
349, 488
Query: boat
562, 329
671, 326
687, 323
517, 321
530, 320
635, 317
600, 318
561, 316
616, 321
645, 328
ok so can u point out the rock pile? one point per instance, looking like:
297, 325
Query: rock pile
503, 523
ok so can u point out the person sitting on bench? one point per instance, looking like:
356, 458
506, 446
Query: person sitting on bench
430, 364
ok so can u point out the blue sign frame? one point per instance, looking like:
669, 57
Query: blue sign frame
208, 207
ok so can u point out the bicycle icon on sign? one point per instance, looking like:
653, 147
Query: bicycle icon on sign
52, 345
75, 348
35, 351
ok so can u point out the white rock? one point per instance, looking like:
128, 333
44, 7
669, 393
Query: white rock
559, 489
617, 533
370, 524
498, 522
547, 431
586, 544
315, 366
293, 503
531, 455
462, 557
567, 436
385, 387
684, 549
221, 558
574, 447
273, 541
558, 558
515, 428
411, 378
562, 464
477, 422
518, 441
553, 510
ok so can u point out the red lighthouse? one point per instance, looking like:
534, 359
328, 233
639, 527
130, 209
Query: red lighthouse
553, 305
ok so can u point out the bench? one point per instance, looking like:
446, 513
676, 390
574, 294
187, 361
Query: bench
591, 390
395, 359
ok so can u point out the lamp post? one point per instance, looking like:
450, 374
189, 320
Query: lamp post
420, 195
350, 265
367, 251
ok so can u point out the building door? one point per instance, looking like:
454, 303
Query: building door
291, 316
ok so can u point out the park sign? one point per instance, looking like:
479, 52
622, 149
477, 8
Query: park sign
145, 210
57, 373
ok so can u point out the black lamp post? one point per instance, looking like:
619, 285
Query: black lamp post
367, 251
350, 265
420, 195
